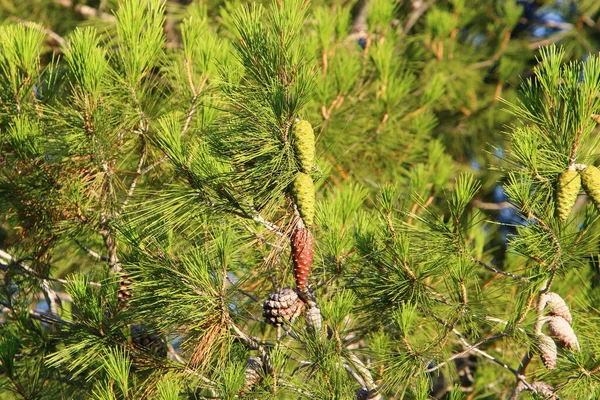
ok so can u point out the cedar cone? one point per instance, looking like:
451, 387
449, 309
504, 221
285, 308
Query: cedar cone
567, 189
142, 338
302, 255
282, 306
557, 306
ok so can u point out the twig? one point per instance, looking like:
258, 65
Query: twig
49, 294
85, 11
30, 271
254, 345
138, 173
462, 353
365, 374
499, 271
40, 316
256, 217
415, 15
91, 252
484, 354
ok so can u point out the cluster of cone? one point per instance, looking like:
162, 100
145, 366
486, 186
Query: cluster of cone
286, 304
559, 329
568, 187
141, 337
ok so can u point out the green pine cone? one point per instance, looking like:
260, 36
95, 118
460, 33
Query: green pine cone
590, 177
303, 191
304, 145
569, 184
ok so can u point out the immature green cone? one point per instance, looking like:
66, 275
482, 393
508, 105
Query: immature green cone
590, 178
303, 191
304, 145
567, 190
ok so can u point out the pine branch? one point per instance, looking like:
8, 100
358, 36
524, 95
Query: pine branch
482, 353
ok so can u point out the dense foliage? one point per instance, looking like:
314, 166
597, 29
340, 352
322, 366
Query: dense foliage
164, 202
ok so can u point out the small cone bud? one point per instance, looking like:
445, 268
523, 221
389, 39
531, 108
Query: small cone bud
303, 191
302, 255
596, 117
557, 306
590, 178
568, 186
304, 145
547, 349
282, 306
562, 332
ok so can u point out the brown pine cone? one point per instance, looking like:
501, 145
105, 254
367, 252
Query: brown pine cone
282, 306
557, 306
253, 370
548, 352
142, 338
302, 255
562, 332
124, 292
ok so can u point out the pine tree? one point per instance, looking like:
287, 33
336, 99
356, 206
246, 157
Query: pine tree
292, 200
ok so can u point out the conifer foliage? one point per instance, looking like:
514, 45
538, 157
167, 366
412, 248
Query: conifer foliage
292, 200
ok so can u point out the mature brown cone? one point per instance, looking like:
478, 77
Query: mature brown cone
548, 352
282, 306
557, 306
142, 338
124, 293
302, 255
562, 332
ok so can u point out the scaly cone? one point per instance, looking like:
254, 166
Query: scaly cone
302, 255
124, 292
562, 332
548, 351
282, 306
557, 306
303, 191
304, 145
567, 189
590, 178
